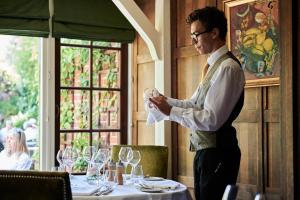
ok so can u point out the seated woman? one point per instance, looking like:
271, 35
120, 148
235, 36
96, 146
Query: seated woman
15, 154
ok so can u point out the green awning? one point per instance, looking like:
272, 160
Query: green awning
24, 17
91, 19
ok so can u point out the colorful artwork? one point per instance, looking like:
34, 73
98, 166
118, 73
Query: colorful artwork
254, 38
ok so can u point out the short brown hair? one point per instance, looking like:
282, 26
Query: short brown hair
211, 17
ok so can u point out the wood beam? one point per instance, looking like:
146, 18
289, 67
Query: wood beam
142, 25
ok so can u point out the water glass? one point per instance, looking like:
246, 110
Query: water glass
137, 174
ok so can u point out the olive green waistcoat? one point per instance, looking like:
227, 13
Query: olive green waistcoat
205, 139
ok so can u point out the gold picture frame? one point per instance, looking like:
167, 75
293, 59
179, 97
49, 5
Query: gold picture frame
253, 37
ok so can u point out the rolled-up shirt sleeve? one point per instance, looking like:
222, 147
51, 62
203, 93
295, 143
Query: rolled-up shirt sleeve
226, 87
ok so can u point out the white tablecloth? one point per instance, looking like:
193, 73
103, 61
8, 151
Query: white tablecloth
130, 192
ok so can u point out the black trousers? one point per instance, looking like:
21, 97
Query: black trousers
213, 170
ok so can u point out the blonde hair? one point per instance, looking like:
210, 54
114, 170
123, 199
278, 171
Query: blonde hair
21, 141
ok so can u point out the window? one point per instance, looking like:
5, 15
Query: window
20, 94
91, 93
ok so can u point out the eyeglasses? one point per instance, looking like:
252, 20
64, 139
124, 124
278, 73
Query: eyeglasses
195, 35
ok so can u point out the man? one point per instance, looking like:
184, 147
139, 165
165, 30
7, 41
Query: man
216, 103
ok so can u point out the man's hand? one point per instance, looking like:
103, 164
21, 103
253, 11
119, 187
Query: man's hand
161, 104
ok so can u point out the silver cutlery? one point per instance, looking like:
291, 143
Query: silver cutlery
104, 190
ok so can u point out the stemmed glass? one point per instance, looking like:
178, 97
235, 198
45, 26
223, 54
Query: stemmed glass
59, 158
88, 153
123, 156
99, 161
135, 158
69, 157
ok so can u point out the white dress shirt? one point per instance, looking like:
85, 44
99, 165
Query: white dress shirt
227, 85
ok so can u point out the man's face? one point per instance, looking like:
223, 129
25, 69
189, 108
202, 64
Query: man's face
201, 37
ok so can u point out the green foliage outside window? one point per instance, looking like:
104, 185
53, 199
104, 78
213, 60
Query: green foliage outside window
75, 58
22, 88
79, 142
75, 72
66, 113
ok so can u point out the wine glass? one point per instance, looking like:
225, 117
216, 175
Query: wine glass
59, 158
134, 158
99, 161
88, 153
69, 157
123, 155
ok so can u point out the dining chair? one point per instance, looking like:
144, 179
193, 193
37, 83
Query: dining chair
154, 159
28, 185
230, 192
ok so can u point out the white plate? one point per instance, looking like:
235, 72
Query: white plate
153, 178
151, 190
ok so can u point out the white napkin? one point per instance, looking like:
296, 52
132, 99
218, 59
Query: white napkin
164, 185
154, 115
83, 188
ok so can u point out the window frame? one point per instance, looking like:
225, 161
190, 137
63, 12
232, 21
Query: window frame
123, 93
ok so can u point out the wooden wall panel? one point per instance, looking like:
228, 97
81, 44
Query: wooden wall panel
249, 145
144, 70
272, 145
296, 91
189, 75
248, 128
288, 15
183, 33
274, 156
142, 78
148, 7
146, 133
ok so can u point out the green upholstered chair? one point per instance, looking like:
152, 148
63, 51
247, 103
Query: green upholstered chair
29, 185
154, 159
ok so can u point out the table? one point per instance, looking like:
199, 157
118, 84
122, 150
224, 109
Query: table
130, 192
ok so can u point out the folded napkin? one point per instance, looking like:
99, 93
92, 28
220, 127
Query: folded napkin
154, 115
164, 185
83, 189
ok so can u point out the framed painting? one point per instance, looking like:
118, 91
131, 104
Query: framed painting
253, 37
